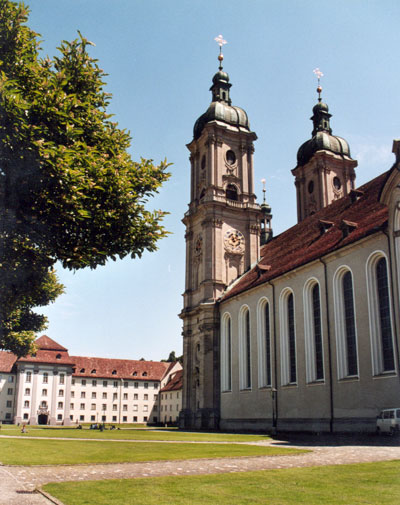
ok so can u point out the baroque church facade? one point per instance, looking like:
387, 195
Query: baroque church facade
298, 331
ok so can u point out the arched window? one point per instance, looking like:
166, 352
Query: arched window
380, 315
231, 192
264, 343
313, 332
345, 322
288, 338
244, 349
226, 353
396, 229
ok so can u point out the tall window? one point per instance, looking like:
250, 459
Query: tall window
264, 343
380, 315
45, 377
350, 326
313, 332
292, 338
226, 353
345, 322
28, 376
396, 230
245, 349
288, 338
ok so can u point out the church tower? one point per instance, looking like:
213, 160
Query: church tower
222, 241
325, 169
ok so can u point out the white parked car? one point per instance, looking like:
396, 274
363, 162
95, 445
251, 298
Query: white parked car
388, 421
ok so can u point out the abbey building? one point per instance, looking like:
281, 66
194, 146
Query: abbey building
52, 387
298, 331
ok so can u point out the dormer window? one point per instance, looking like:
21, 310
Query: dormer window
134, 374
114, 372
93, 371
144, 374
58, 356
82, 370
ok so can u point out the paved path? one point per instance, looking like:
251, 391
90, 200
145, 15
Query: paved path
16, 481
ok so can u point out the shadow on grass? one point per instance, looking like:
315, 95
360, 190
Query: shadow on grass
334, 440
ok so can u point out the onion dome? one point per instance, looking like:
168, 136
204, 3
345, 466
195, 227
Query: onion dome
221, 108
322, 138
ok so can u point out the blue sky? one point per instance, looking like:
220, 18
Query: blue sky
160, 56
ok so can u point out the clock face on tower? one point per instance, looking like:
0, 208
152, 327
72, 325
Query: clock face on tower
234, 241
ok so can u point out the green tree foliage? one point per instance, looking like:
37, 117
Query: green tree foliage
69, 190
172, 358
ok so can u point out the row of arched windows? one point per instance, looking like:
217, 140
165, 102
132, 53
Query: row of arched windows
380, 323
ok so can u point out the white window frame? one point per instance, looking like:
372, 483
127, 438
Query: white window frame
244, 373
340, 329
373, 313
226, 352
284, 337
261, 347
309, 331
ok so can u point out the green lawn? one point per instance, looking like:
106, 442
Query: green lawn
362, 484
132, 434
55, 452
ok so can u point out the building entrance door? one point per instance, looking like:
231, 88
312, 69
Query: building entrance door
42, 419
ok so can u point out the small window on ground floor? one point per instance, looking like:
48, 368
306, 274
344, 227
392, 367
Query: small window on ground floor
124, 419
81, 418
114, 418
26, 416
59, 417
135, 419
93, 418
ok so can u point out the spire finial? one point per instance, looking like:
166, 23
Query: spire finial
319, 74
221, 42
264, 190
266, 230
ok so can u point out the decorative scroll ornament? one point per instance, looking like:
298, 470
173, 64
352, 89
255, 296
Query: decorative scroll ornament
198, 246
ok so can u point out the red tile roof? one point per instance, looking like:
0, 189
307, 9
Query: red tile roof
176, 382
7, 360
119, 368
46, 343
345, 221
49, 351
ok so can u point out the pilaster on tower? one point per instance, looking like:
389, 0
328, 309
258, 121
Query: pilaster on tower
222, 240
325, 169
